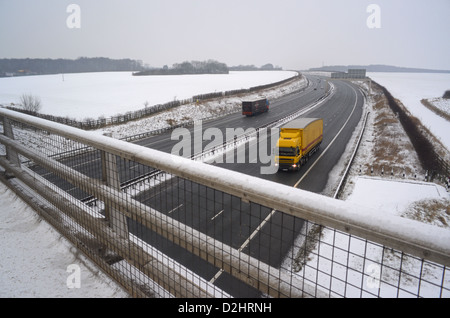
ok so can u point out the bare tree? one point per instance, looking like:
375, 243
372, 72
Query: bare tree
30, 103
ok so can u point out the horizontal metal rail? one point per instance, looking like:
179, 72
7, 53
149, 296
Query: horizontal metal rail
409, 236
404, 234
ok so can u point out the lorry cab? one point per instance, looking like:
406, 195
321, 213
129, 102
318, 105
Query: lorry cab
298, 140
289, 152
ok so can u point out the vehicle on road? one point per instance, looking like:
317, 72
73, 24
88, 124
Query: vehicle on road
254, 107
299, 139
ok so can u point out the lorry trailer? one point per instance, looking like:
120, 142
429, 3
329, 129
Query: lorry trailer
299, 139
253, 107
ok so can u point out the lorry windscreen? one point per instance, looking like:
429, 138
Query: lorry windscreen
284, 151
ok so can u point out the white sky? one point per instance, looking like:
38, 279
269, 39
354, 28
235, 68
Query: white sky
294, 34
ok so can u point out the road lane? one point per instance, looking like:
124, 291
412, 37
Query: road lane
239, 223
341, 115
227, 218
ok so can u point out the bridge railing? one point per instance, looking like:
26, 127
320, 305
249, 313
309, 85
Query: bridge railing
188, 229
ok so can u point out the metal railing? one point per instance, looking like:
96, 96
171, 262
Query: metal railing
197, 230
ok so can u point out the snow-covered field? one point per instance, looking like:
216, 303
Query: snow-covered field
411, 88
393, 196
92, 95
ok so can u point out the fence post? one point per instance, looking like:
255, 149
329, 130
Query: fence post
11, 154
117, 220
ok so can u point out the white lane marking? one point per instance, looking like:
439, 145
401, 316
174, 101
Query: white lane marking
331, 143
217, 215
174, 209
269, 216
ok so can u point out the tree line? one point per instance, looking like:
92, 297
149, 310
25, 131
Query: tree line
28, 66
17, 67
265, 67
192, 67
204, 67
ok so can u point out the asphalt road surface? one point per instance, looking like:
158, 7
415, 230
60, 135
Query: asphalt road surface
229, 219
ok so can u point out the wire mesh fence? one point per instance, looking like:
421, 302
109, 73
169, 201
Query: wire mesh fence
164, 234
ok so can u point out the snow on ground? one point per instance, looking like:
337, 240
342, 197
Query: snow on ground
389, 196
355, 264
36, 261
411, 88
92, 95
394, 195
442, 104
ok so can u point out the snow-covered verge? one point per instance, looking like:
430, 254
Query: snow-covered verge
36, 261
424, 201
349, 266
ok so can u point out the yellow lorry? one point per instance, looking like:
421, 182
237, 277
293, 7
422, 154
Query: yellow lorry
299, 139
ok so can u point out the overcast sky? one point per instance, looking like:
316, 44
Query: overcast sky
293, 34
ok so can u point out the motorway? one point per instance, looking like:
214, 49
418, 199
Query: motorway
346, 100
259, 231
